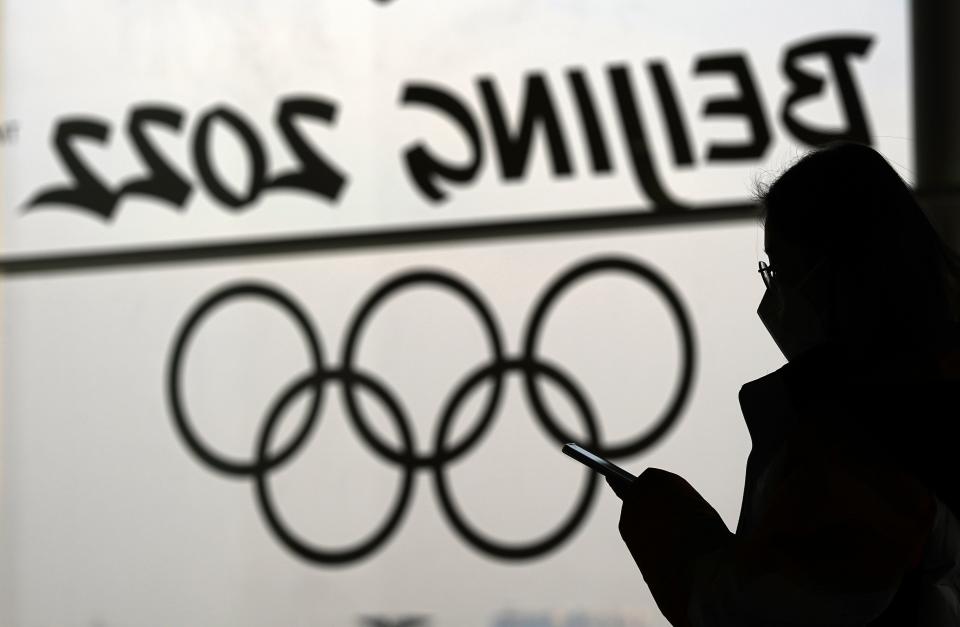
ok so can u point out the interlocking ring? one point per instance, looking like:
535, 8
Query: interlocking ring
528, 365
301, 547
366, 310
681, 390
179, 412
459, 521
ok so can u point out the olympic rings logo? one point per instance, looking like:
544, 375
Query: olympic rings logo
349, 378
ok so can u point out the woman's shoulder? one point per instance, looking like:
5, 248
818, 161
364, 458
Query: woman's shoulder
940, 571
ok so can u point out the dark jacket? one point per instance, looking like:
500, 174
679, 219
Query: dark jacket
849, 505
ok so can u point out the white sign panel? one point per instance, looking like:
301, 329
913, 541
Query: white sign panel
168, 124
515, 224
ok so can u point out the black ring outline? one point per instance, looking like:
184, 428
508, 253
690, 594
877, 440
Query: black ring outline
195, 444
681, 392
387, 289
269, 511
528, 364
464, 529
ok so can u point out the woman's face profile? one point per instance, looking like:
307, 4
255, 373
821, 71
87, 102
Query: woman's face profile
798, 302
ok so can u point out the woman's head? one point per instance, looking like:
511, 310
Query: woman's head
854, 257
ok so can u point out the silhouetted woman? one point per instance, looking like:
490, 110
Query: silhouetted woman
851, 499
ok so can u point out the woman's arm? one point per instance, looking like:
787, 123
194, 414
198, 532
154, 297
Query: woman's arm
830, 548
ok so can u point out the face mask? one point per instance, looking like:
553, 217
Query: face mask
791, 319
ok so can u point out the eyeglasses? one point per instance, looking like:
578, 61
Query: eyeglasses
766, 273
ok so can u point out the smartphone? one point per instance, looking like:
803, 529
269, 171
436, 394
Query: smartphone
618, 478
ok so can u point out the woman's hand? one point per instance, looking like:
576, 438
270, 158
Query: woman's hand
667, 526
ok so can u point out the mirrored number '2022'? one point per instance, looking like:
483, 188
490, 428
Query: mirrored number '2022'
88, 192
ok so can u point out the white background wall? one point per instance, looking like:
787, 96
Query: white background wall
105, 516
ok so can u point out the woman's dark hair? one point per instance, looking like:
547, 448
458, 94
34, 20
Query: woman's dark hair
901, 282
846, 202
